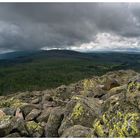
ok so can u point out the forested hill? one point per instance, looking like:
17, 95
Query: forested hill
38, 70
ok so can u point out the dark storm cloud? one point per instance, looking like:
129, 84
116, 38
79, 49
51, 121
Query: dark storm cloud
35, 25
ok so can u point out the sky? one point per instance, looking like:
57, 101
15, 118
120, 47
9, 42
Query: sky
74, 26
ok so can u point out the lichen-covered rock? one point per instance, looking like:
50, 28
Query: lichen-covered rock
10, 123
6, 125
120, 114
64, 92
122, 76
54, 122
133, 91
80, 111
114, 102
78, 131
61, 92
91, 89
88, 87
118, 124
11, 102
33, 115
34, 129
133, 85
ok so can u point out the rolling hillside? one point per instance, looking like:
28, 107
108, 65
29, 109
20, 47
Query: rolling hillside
38, 70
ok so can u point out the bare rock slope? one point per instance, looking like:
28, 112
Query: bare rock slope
106, 106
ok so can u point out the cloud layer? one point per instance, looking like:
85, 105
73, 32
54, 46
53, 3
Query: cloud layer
78, 26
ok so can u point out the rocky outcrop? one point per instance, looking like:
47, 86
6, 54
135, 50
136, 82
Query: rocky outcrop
80, 110
106, 106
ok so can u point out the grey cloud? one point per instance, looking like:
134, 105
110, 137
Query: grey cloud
35, 25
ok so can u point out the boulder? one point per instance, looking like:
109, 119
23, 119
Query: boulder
54, 122
63, 92
98, 92
61, 89
19, 113
20, 126
110, 83
2, 113
43, 117
49, 104
113, 101
47, 97
26, 109
33, 115
6, 125
114, 91
36, 101
34, 129
80, 111
10, 124
78, 131
13, 135
60, 102
9, 111
92, 89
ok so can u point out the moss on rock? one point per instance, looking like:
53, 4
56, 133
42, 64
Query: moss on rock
11, 102
34, 129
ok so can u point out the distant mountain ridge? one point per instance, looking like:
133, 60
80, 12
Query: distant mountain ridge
28, 56
20, 54
33, 54
16, 54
